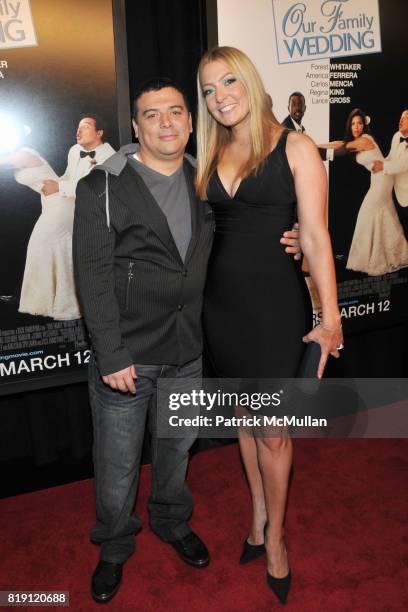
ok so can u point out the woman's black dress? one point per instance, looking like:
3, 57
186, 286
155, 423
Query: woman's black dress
256, 306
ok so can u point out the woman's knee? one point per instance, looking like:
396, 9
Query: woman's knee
273, 441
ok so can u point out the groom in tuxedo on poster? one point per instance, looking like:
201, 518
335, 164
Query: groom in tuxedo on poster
88, 151
396, 164
297, 109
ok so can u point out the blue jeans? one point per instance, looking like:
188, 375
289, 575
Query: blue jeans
119, 421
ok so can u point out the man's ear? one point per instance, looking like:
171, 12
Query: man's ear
100, 134
134, 124
190, 122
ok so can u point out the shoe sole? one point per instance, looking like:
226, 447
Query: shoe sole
196, 564
102, 600
257, 555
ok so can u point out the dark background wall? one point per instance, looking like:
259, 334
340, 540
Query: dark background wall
46, 435
166, 39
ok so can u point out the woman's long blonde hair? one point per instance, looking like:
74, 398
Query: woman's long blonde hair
212, 136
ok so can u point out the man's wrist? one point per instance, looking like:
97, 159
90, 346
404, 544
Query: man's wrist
109, 364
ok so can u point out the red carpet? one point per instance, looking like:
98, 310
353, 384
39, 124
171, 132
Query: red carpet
346, 534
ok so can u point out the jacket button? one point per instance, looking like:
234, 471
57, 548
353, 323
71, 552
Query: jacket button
180, 307
184, 272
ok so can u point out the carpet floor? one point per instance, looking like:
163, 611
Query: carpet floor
346, 532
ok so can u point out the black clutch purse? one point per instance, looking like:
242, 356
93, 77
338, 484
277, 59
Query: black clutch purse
308, 369
310, 361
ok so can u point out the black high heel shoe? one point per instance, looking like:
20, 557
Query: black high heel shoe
280, 586
252, 551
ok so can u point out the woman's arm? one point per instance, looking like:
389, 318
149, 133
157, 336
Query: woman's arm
335, 144
20, 159
311, 191
364, 143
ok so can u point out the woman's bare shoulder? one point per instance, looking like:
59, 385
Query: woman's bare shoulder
299, 144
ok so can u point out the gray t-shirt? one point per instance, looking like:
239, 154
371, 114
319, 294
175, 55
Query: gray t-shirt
171, 194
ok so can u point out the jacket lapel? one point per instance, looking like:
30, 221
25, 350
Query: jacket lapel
196, 208
131, 188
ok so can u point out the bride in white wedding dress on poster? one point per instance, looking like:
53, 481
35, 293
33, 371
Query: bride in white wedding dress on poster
379, 245
48, 285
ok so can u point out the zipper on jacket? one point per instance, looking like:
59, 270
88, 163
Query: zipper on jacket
129, 280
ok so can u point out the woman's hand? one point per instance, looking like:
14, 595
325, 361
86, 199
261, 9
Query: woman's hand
378, 166
50, 187
330, 340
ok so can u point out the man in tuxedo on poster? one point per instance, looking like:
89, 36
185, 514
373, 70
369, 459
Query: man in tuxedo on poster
88, 151
141, 245
396, 164
82, 156
297, 109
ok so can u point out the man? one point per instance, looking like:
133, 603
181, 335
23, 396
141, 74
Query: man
89, 151
297, 109
141, 245
396, 164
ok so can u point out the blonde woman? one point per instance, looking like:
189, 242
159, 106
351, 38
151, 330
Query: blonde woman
257, 311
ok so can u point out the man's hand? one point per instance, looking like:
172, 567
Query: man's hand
49, 187
377, 166
124, 380
291, 239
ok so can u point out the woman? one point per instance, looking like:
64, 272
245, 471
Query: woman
48, 285
379, 245
257, 309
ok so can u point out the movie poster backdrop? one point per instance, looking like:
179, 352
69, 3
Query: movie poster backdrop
57, 65
342, 55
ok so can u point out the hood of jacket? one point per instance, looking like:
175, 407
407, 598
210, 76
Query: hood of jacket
116, 163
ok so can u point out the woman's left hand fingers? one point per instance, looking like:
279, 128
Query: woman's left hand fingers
322, 364
326, 345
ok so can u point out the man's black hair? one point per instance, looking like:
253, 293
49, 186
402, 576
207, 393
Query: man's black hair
99, 122
296, 93
156, 84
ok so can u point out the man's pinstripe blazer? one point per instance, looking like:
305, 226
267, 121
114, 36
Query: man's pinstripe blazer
140, 301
